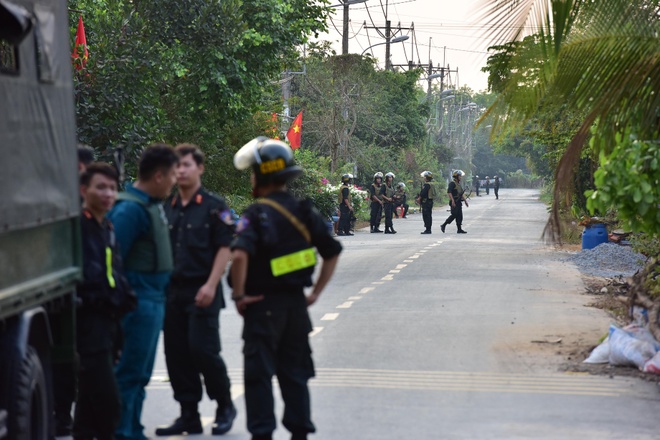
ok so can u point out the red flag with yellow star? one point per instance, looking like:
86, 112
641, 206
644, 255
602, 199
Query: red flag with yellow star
80, 52
295, 132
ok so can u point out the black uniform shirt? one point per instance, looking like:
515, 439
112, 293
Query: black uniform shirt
264, 234
100, 308
452, 188
197, 231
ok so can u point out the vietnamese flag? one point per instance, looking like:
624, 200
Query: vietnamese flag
80, 52
295, 132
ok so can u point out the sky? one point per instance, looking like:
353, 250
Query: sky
455, 39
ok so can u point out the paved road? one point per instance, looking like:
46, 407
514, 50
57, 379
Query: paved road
449, 336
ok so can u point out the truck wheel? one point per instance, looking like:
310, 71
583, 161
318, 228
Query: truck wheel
28, 411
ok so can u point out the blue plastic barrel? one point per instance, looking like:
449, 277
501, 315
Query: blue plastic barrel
594, 235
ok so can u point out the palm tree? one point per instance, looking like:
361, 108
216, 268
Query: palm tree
601, 58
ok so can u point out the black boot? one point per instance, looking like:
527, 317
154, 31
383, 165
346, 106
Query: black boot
299, 435
224, 418
460, 231
388, 231
189, 422
442, 227
392, 231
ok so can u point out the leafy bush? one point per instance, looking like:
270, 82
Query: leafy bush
628, 179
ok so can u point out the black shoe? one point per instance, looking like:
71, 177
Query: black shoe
426, 232
377, 230
387, 231
262, 437
224, 418
348, 233
189, 424
392, 231
405, 216
460, 231
339, 234
442, 228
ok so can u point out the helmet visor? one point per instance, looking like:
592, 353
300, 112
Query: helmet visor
248, 155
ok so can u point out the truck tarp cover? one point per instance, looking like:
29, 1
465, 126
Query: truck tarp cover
39, 179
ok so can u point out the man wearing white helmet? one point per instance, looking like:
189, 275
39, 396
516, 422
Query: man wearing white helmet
273, 258
425, 200
456, 197
387, 194
376, 202
400, 197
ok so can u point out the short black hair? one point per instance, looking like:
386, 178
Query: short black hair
85, 154
185, 149
156, 157
99, 168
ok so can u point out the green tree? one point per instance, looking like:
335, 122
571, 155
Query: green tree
599, 59
186, 71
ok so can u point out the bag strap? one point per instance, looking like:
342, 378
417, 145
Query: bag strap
292, 218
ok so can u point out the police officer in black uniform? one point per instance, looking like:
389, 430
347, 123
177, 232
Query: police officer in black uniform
496, 187
345, 206
387, 195
456, 199
201, 230
376, 202
425, 200
477, 184
273, 259
105, 297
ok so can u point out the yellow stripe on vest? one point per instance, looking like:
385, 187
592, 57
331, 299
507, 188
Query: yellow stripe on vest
108, 267
293, 262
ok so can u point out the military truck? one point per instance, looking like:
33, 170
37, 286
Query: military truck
39, 206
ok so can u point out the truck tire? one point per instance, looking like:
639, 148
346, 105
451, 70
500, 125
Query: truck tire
28, 408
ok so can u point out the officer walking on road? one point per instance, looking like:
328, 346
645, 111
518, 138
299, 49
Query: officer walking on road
201, 230
477, 184
487, 185
144, 242
345, 206
456, 199
496, 187
387, 195
376, 202
425, 200
273, 260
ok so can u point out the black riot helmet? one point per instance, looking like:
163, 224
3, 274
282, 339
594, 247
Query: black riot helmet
271, 161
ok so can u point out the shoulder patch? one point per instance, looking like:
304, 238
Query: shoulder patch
243, 223
226, 217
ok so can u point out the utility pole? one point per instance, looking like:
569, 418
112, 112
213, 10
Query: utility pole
388, 29
344, 37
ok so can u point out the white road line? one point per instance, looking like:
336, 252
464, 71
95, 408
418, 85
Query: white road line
400, 266
423, 251
354, 298
315, 332
377, 282
329, 316
407, 261
366, 289
388, 278
345, 305
414, 256
395, 271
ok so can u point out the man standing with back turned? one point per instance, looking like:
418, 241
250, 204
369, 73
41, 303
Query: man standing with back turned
273, 259
144, 243
201, 230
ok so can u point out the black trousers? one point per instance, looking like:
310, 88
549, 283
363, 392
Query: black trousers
192, 347
98, 406
276, 343
497, 190
376, 214
456, 213
344, 219
427, 209
389, 210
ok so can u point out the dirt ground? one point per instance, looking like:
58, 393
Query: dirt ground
609, 295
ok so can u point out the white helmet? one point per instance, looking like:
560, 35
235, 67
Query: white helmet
400, 185
427, 175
